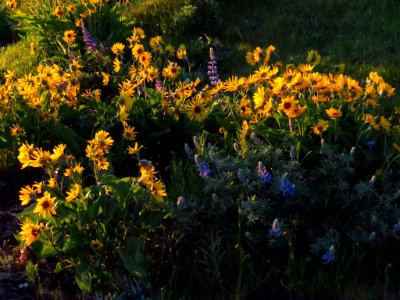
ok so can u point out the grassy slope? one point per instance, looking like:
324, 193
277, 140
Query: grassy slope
363, 34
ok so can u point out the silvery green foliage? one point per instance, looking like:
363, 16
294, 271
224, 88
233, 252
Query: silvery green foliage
329, 200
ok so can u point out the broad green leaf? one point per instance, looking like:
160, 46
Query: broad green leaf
132, 258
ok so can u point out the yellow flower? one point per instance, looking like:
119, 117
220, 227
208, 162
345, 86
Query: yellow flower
117, 48
135, 149
138, 51
73, 193
102, 163
25, 154
123, 114
52, 183
45, 205
117, 65
29, 232
16, 130
384, 124
103, 140
172, 70
27, 194
158, 191
333, 113
57, 11
96, 244
296, 112
145, 59
250, 58
106, 78
58, 153
287, 104
129, 132
196, 110
181, 53
69, 36
41, 158
260, 97
320, 127
76, 169
313, 57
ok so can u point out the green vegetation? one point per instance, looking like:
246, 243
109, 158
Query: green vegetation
209, 148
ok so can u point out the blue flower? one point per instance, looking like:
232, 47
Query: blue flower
204, 170
263, 173
287, 188
371, 144
276, 230
329, 256
396, 227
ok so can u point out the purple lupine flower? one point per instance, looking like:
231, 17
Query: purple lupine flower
329, 256
256, 139
263, 173
287, 188
276, 230
88, 39
212, 69
158, 85
204, 170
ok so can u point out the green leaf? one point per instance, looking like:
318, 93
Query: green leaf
132, 258
83, 281
43, 249
68, 136
58, 268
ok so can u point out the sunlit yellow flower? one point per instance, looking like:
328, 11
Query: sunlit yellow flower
196, 110
320, 127
138, 51
260, 96
333, 113
41, 158
71, 8
11, 5
118, 48
385, 90
250, 58
123, 114
287, 104
76, 169
16, 130
117, 65
57, 11
69, 36
268, 53
106, 78
233, 83
27, 194
244, 107
129, 132
181, 53
158, 191
58, 153
172, 70
135, 149
29, 232
45, 205
73, 193
25, 154
103, 140
102, 163
52, 182
296, 112
145, 59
